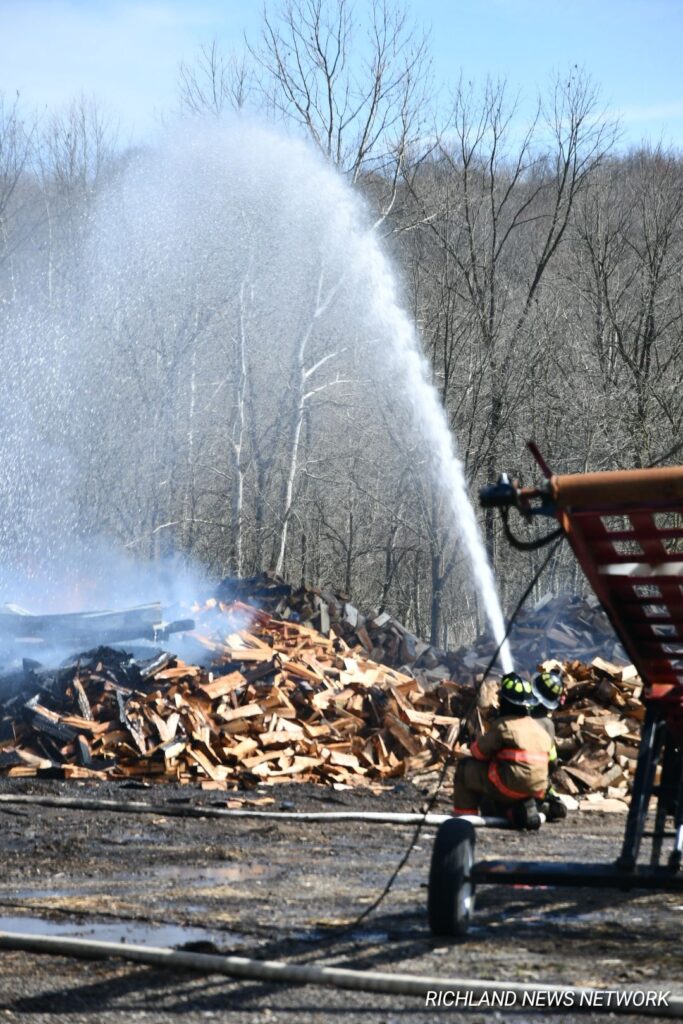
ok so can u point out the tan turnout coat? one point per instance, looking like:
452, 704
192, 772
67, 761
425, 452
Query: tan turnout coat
517, 751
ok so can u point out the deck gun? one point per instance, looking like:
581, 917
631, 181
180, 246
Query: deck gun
626, 530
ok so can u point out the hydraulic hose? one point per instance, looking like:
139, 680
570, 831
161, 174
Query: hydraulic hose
340, 977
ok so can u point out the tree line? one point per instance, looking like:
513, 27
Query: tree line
539, 259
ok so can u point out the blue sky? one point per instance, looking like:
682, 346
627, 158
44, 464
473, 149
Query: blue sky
127, 52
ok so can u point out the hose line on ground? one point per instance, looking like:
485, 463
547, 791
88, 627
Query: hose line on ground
171, 811
525, 993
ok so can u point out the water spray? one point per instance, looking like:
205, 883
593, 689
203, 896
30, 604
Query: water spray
218, 232
406, 361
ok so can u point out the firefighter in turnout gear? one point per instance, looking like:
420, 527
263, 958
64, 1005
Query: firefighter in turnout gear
548, 689
509, 763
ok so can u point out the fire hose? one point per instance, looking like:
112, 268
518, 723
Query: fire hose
197, 811
527, 994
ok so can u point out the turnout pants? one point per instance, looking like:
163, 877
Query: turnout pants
472, 783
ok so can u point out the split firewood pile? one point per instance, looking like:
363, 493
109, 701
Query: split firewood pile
565, 627
378, 635
283, 702
598, 732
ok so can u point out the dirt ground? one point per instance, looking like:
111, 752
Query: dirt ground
278, 890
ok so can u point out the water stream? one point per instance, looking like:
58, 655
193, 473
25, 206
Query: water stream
430, 421
224, 275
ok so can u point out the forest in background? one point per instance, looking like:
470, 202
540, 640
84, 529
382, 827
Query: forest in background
540, 261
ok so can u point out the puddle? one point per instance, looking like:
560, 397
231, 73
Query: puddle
205, 877
136, 932
314, 935
370, 937
129, 839
37, 894
198, 876
580, 917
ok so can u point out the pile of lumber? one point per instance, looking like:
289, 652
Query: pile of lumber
281, 702
377, 634
598, 732
566, 627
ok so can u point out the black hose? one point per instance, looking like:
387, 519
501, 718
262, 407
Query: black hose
527, 545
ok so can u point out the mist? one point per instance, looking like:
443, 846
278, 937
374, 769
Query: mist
211, 361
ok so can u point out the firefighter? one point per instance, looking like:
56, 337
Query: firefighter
548, 689
509, 763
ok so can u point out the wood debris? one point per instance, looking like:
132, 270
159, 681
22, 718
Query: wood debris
598, 732
566, 627
19, 627
283, 702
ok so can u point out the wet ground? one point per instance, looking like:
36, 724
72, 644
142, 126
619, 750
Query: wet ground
281, 890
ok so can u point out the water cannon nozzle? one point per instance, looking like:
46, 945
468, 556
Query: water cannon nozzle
502, 494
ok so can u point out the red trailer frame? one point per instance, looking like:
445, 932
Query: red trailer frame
626, 530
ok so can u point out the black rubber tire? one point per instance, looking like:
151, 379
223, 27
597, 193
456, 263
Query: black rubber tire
450, 903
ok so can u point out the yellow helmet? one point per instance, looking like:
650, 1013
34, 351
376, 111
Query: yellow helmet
516, 690
549, 689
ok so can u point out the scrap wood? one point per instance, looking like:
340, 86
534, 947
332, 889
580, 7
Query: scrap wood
283, 703
564, 626
290, 716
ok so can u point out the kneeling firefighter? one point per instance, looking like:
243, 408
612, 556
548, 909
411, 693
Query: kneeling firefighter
509, 763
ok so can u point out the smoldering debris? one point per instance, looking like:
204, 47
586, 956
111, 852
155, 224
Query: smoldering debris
566, 627
32, 645
282, 702
19, 627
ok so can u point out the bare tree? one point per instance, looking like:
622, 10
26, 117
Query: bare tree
500, 211
359, 100
305, 386
215, 83
630, 244
77, 147
16, 140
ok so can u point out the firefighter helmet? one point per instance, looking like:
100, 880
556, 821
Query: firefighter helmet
548, 689
516, 690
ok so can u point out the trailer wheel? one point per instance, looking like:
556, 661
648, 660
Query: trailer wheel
450, 902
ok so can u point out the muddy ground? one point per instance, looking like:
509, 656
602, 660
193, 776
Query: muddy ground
277, 890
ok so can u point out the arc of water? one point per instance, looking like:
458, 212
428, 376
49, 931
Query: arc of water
429, 416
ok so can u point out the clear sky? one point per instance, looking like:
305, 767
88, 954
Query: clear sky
127, 52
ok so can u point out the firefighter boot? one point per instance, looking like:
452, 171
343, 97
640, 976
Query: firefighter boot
553, 808
524, 815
